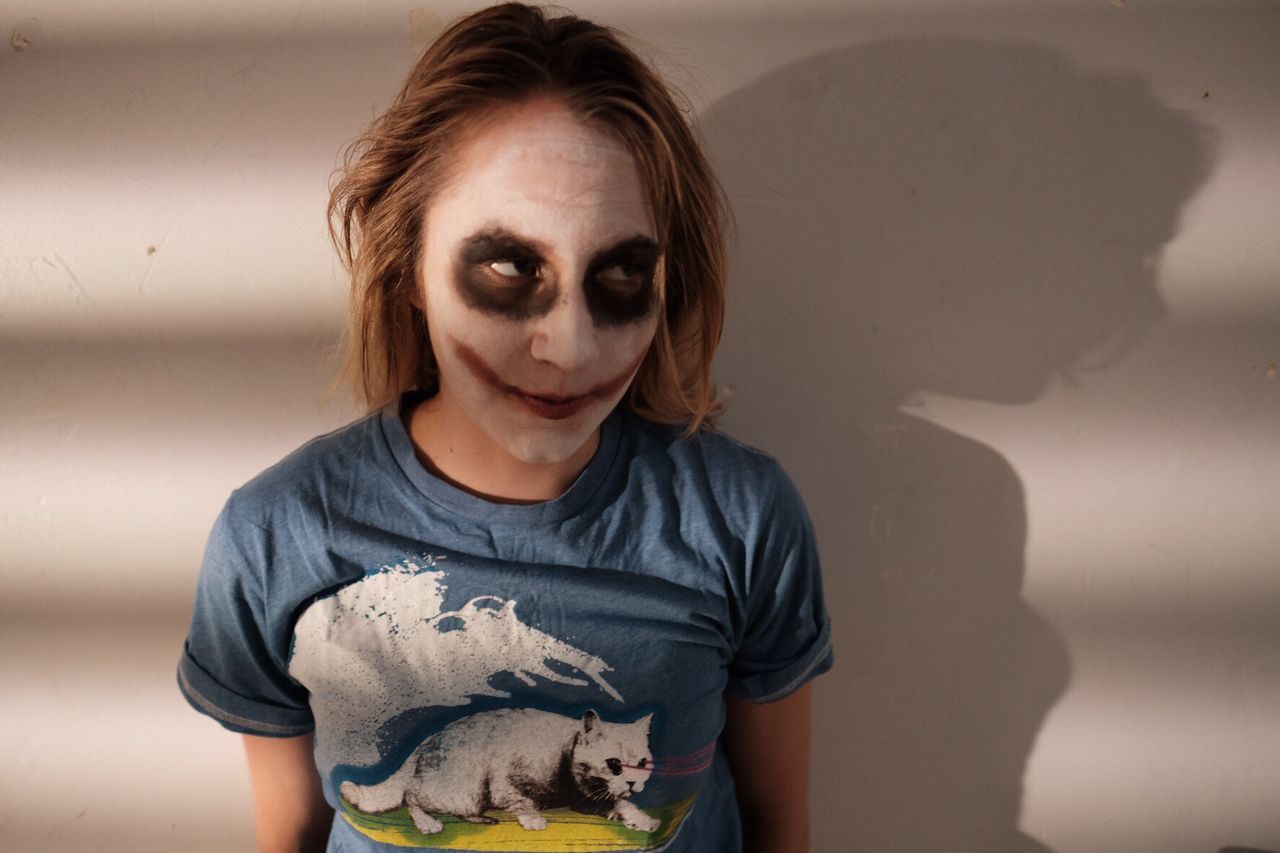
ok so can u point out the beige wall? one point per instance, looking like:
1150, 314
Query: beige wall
1005, 302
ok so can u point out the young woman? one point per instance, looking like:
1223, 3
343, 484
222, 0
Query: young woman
532, 601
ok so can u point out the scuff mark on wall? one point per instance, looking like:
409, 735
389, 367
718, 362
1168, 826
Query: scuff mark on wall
76, 286
151, 253
25, 34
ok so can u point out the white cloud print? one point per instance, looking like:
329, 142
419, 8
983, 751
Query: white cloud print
384, 645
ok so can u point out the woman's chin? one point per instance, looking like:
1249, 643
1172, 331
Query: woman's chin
536, 440
548, 449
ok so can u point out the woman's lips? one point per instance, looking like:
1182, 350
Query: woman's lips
556, 410
551, 408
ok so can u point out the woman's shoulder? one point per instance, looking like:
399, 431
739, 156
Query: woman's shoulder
735, 472
309, 475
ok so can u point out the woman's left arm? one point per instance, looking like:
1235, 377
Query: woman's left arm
768, 748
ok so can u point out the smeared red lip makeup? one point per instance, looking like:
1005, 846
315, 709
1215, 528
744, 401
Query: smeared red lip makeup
550, 407
553, 410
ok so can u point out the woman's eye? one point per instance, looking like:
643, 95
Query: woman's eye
518, 268
624, 276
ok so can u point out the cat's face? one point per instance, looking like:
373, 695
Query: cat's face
613, 759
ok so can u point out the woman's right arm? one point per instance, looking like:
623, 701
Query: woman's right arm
290, 812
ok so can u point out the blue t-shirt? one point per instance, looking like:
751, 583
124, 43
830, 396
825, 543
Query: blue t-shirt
516, 677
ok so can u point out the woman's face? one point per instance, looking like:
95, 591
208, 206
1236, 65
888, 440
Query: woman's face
537, 278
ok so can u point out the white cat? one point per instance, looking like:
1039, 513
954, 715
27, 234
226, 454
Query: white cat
520, 760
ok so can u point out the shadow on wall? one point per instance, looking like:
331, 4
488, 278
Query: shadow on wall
960, 217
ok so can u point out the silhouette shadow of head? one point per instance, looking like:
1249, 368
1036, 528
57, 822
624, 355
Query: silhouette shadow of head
955, 216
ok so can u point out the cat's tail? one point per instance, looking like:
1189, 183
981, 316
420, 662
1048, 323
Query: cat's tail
382, 797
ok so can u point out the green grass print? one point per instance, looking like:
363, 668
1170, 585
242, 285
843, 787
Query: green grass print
567, 830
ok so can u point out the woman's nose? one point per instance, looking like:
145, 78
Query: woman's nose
566, 336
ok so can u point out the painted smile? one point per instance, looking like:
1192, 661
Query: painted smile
549, 406
555, 410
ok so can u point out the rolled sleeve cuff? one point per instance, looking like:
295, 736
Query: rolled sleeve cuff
235, 712
775, 684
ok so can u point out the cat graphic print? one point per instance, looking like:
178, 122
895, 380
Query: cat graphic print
509, 776
521, 761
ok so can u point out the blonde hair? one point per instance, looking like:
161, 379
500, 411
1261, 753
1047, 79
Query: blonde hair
498, 56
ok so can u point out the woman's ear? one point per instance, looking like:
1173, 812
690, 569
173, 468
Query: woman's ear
415, 293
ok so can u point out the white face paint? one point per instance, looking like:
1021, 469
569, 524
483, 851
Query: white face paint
537, 282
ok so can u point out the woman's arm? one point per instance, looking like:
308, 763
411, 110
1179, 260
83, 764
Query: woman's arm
768, 747
290, 812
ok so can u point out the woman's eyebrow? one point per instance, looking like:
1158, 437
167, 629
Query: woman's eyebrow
638, 249
498, 243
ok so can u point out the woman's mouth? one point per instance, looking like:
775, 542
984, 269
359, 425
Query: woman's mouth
552, 408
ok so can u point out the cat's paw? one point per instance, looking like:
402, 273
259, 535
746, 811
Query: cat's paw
532, 821
633, 817
426, 822
642, 822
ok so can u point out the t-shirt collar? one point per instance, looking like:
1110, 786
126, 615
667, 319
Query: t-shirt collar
478, 509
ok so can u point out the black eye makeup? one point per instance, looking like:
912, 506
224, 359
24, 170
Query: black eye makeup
620, 286
499, 274
503, 275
